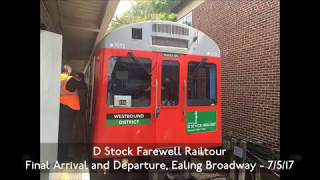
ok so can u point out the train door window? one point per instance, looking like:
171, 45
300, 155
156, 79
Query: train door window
202, 84
170, 83
128, 83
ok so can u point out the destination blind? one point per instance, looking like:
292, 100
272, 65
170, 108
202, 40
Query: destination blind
128, 119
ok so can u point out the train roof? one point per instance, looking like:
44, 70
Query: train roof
161, 36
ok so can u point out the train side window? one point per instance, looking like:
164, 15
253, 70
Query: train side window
202, 84
128, 83
170, 83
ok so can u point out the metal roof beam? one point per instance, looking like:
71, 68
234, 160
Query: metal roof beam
45, 17
81, 28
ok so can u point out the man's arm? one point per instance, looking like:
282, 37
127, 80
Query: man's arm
73, 84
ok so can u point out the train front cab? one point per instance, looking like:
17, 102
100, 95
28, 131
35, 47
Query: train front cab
155, 100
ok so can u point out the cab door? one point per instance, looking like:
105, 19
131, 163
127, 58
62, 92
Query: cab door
126, 100
203, 102
169, 102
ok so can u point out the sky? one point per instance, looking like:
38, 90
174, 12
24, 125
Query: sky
123, 6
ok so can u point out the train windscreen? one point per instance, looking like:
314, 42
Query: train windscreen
128, 83
202, 84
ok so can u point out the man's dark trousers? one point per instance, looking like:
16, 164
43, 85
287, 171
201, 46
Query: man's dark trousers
66, 119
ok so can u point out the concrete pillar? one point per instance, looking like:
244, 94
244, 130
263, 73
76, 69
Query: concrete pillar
50, 69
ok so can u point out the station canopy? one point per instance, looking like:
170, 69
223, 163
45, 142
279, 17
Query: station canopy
82, 24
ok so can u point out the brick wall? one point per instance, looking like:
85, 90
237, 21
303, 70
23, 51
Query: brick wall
248, 34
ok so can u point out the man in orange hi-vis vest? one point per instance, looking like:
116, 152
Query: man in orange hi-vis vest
69, 106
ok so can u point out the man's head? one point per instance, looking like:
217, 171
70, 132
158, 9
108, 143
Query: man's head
79, 76
66, 69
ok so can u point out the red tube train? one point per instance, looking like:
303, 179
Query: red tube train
154, 84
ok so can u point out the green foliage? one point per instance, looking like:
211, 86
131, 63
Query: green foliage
145, 10
163, 6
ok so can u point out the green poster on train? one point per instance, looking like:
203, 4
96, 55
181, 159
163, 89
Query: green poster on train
201, 121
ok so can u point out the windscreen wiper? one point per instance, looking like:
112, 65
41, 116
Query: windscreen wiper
199, 66
140, 63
